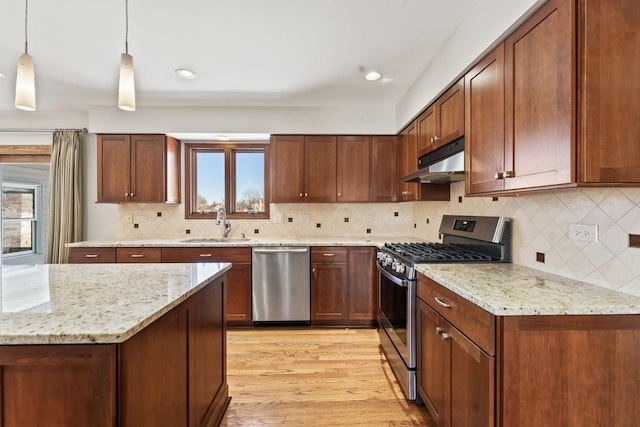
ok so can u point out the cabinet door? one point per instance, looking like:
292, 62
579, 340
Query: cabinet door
431, 362
287, 168
484, 124
450, 107
239, 293
470, 393
114, 168
427, 124
408, 161
329, 292
353, 160
320, 168
609, 110
148, 170
539, 94
384, 168
363, 284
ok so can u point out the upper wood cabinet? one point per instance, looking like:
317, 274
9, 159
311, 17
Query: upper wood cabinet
443, 121
384, 169
138, 168
570, 103
609, 66
353, 171
303, 168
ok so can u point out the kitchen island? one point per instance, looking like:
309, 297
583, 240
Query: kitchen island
105, 345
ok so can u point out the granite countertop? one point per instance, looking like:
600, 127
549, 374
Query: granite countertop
242, 242
512, 290
93, 303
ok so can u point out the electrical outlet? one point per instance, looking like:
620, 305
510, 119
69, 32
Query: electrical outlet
583, 232
304, 217
129, 218
278, 218
367, 217
141, 218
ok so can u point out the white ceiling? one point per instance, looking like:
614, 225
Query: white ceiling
245, 52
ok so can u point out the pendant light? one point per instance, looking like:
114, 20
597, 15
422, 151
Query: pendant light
26, 76
127, 87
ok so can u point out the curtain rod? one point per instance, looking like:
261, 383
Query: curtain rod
9, 130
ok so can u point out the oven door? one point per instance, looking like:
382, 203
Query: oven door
397, 313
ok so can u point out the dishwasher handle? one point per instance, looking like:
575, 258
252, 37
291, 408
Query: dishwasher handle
281, 251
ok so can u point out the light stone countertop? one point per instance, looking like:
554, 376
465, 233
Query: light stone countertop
240, 242
93, 303
512, 290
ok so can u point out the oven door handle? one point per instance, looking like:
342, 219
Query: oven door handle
396, 280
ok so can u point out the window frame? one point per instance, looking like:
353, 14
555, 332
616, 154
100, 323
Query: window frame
229, 150
36, 222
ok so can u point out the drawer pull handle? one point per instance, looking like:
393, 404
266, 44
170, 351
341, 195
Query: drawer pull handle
91, 255
137, 256
442, 303
328, 254
205, 255
445, 336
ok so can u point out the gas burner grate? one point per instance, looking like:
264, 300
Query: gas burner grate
434, 252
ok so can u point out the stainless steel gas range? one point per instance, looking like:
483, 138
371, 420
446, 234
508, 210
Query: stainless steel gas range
465, 239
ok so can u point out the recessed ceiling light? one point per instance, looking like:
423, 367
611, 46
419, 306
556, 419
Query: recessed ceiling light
373, 75
186, 74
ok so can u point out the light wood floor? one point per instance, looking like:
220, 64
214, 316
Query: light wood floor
314, 377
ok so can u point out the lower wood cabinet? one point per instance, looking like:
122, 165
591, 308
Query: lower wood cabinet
343, 286
238, 278
572, 370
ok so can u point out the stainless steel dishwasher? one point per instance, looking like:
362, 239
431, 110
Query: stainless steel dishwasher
281, 285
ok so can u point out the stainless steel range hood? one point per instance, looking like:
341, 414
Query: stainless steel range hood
441, 166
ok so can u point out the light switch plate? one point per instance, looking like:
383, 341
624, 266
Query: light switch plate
583, 232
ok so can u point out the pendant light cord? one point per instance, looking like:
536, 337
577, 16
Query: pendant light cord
126, 37
26, 11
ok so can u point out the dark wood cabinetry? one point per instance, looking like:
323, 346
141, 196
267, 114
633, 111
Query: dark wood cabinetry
456, 378
354, 168
329, 284
384, 168
443, 121
138, 168
343, 286
303, 168
238, 278
609, 63
568, 119
532, 370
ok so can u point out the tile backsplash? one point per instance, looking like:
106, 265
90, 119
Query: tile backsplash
540, 224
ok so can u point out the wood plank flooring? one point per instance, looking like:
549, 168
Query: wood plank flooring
314, 377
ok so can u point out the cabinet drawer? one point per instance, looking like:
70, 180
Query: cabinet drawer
474, 322
92, 255
206, 254
139, 255
321, 254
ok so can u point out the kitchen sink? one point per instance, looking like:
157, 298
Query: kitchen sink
216, 240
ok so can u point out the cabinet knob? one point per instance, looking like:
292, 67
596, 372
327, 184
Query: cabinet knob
445, 336
306, 194
509, 174
300, 194
499, 175
339, 194
126, 194
435, 139
405, 193
131, 194
439, 330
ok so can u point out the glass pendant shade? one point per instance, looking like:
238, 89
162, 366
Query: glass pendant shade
26, 84
127, 88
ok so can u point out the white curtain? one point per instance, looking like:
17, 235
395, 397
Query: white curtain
65, 196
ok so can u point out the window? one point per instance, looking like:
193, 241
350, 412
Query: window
19, 218
227, 175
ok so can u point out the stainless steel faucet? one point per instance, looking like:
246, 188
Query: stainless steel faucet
226, 226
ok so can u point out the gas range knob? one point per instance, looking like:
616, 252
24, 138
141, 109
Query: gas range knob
399, 268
